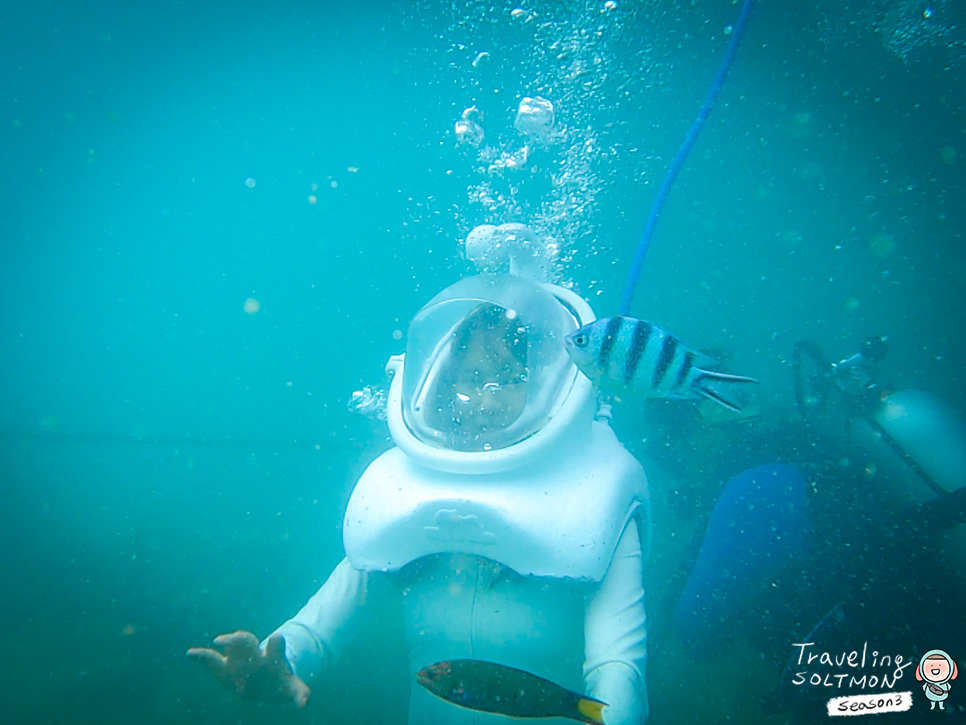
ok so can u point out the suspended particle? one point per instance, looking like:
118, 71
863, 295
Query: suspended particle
882, 245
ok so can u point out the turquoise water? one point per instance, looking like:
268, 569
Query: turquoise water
175, 465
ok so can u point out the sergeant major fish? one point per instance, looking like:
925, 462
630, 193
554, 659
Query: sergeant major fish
623, 352
489, 687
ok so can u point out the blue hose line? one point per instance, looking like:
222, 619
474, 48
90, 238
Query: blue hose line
683, 152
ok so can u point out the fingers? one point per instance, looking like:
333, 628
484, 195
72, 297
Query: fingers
235, 637
290, 682
269, 674
238, 645
212, 657
275, 649
299, 690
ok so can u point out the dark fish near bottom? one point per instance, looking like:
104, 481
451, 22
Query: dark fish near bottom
490, 687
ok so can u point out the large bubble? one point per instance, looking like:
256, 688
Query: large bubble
535, 118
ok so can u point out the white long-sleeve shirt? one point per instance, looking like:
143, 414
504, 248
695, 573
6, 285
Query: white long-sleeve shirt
587, 636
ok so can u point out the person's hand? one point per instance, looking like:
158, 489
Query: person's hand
251, 672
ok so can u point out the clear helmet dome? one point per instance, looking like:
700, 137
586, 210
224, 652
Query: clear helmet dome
485, 363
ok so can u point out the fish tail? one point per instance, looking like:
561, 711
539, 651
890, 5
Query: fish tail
704, 385
591, 711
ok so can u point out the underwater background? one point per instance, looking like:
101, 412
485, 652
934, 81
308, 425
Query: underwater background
217, 219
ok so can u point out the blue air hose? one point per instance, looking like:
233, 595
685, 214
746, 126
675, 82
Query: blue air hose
683, 152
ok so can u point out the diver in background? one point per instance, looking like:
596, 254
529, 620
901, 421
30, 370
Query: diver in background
859, 377
507, 522
853, 529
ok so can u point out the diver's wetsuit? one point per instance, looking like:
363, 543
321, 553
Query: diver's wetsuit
467, 606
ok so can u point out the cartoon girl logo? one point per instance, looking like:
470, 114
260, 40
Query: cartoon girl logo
935, 670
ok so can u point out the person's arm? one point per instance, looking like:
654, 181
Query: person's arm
615, 636
314, 637
312, 640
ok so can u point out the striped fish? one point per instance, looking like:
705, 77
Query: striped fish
621, 352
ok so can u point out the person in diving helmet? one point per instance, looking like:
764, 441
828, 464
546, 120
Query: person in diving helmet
510, 516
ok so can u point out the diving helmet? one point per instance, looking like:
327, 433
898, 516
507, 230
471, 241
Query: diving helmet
486, 383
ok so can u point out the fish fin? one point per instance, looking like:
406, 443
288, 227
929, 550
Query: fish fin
591, 710
724, 377
702, 360
704, 385
720, 400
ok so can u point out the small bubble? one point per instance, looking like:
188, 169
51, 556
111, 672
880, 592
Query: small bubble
334, 184
252, 305
729, 29
397, 334
313, 198
250, 183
